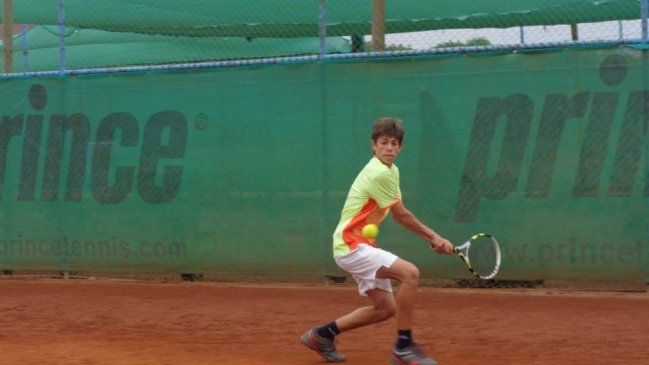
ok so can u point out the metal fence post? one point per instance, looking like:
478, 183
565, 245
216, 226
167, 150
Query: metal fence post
322, 28
24, 44
61, 11
620, 30
7, 35
643, 15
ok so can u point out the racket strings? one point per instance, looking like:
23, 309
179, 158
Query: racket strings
483, 256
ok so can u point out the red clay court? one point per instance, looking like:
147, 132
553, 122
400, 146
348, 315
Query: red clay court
96, 322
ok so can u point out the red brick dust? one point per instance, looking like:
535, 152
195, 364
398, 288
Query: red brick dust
97, 322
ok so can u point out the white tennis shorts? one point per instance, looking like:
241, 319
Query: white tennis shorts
363, 263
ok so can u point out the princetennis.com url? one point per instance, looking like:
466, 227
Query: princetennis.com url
92, 249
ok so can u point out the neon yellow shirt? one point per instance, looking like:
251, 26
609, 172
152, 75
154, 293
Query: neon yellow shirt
374, 191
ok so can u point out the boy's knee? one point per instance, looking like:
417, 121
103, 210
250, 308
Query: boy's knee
385, 309
390, 312
386, 312
412, 275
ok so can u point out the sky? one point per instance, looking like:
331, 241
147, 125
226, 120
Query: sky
605, 31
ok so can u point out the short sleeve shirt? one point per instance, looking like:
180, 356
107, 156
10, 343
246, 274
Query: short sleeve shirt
374, 191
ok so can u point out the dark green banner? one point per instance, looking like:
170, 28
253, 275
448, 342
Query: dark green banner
245, 170
299, 18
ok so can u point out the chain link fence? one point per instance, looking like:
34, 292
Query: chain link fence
75, 35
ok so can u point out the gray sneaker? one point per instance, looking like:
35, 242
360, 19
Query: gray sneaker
411, 355
322, 345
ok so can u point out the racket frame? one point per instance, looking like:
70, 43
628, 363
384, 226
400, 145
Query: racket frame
462, 252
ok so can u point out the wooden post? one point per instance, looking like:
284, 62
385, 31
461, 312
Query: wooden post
574, 32
378, 25
7, 35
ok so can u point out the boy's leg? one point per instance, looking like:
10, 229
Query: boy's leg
383, 307
363, 264
408, 276
405, 351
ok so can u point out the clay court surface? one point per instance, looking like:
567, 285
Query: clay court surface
141, 322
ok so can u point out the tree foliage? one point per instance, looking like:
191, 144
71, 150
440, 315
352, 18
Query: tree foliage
473, 42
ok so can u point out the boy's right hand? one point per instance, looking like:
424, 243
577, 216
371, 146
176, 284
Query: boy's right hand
441, 245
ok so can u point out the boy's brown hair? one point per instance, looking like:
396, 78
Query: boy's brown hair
388, 126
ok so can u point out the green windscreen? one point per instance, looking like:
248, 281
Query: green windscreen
245, 170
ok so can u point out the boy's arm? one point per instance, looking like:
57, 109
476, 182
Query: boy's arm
404, 217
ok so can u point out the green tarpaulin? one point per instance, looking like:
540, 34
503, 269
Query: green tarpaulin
88, 48
299, 18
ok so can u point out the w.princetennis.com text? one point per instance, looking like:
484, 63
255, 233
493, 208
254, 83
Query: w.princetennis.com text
92, 249
577, 253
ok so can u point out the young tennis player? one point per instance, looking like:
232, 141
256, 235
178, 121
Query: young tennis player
374, 194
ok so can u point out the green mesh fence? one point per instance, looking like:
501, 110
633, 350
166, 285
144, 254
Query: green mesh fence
79, 34
245, 170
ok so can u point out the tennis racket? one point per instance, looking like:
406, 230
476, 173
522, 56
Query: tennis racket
481, 255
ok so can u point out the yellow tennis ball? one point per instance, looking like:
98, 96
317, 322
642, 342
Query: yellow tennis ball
370, 231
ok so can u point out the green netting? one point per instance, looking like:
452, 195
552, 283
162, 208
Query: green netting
89, 48
299, 18
149, 32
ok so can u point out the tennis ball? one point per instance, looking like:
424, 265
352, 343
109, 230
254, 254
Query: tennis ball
370, 231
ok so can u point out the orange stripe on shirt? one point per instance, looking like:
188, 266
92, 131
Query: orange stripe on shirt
352, 233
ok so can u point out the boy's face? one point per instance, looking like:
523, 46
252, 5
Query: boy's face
386, 148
